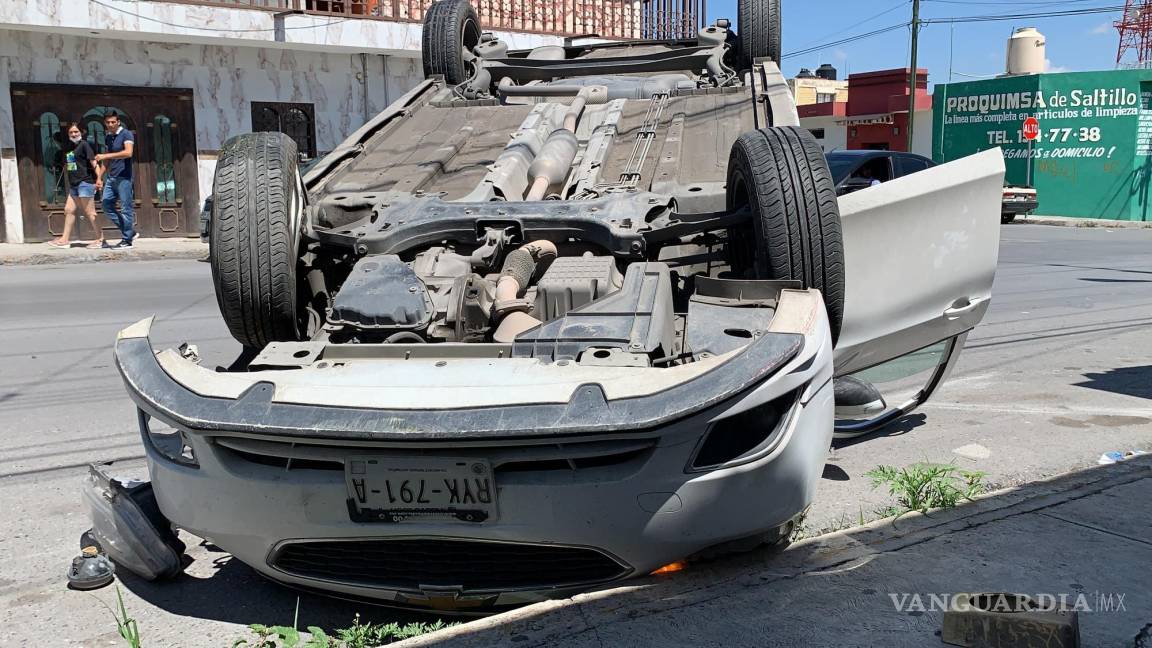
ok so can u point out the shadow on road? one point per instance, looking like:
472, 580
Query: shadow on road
1063, 536
1129, 381
235, 593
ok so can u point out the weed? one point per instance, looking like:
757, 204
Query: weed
358, 635
285, 637
800, 530
924, 486
367, 635
124, 623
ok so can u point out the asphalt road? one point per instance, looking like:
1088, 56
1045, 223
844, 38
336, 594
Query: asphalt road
1060, 372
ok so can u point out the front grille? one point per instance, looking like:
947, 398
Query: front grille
507, 457
474, 566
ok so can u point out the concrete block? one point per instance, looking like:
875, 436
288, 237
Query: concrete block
999, 620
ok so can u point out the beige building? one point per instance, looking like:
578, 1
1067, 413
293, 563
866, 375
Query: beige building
813, 90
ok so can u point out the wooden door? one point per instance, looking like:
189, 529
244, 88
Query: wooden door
166, 192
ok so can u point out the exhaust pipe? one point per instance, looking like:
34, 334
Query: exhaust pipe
509, 310
552, 164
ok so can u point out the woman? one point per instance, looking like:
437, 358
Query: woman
83, 176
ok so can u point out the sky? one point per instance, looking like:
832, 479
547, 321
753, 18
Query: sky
1074, 44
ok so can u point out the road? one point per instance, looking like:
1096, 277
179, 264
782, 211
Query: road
1060, 372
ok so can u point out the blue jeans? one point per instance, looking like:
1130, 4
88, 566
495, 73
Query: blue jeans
120, 189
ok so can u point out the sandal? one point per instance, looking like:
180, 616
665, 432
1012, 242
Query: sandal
56, 243
95, 245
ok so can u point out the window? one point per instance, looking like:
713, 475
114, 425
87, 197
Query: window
164, 156
93, 123
825, 97
881, 168
909, 164
51, 141
818, 133
296, 120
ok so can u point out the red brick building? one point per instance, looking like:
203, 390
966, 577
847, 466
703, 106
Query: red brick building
875, 115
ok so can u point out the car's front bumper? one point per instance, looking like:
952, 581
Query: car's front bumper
639, 505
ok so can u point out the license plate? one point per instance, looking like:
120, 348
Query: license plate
420, 489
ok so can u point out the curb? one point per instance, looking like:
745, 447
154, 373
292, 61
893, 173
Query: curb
1063, 221
80, 255
542, 623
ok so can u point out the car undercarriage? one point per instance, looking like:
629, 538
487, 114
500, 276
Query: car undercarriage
554, 318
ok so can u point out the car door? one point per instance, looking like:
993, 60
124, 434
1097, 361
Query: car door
920, 255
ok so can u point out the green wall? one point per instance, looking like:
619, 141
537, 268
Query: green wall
1094, 154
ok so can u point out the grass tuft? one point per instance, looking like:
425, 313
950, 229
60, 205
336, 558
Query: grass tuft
124, 623
358, 635
924, 486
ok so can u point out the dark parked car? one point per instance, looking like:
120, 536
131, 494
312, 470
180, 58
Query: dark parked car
856, 170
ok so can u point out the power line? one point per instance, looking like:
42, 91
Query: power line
1001, 3
1025, 16
900, 5
844, 41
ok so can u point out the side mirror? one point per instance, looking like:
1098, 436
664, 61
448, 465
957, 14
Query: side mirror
853, 184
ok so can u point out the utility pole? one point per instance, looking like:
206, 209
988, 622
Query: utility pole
912, 72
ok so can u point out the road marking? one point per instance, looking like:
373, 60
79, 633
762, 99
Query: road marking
1024, 409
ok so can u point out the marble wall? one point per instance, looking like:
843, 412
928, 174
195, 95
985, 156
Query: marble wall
224, 79
177, 22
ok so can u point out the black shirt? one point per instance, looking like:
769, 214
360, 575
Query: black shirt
78, 163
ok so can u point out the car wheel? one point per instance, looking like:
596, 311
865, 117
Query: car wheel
759, 25
782, 177
258, 201
451, 30
1007, 218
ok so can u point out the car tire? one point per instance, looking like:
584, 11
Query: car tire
1007, 218
451, 30
782, 176
759, 25
258, 199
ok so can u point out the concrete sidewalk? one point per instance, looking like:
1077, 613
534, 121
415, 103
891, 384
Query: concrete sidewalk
1066, 221
1086, 535
144, 249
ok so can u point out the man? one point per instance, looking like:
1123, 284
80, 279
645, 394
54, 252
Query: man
119, 144
866, 173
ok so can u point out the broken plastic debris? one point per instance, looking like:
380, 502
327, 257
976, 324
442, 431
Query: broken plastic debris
1117, 457
190, 352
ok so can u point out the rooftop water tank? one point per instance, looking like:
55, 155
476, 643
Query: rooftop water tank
826, 71
805, 73
1025, 52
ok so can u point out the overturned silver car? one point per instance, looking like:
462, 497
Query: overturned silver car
554, 319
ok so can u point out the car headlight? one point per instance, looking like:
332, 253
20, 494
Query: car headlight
169, 442
743, 437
